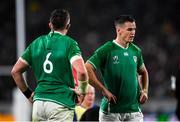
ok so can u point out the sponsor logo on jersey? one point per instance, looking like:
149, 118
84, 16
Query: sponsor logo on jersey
115, 59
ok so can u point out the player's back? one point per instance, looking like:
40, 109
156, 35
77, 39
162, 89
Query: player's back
50, 58
50, 61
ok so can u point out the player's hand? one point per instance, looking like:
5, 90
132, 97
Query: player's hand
143, 97
109, 96
80, 97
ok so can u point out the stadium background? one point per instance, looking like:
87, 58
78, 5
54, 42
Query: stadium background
158, 35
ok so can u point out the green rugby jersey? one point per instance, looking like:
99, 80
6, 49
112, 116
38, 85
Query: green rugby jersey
49, 56
118, 67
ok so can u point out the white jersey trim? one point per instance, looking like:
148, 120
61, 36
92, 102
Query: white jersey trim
92, 64
58, 32
24, 61
76, 57
120, 45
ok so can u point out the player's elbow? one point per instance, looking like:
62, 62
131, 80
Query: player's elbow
13, 72
143, 71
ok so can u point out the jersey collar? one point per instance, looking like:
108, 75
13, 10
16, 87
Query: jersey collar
57, 32
120, 45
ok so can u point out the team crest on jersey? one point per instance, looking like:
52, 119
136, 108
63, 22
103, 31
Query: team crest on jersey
115, 59
135, 58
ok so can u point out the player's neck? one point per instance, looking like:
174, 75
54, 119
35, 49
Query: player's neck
121, 42
63, 32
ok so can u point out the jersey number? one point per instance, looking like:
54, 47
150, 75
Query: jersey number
46, 63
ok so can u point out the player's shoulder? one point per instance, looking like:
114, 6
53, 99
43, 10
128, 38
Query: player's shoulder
38, 39
108, 43
106, 46
69, 39
135, 47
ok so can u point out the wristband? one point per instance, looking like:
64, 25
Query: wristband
27, 93
144, 90
83, 87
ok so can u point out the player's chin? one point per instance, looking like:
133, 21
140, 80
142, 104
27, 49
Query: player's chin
130, 40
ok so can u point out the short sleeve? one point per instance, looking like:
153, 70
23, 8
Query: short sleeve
140, 61
97, 58
26, 56
73, 50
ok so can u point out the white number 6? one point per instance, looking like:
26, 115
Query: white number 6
47, 62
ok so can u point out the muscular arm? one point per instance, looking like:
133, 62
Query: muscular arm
144, 77
78, 65
97, 84
92, 77
145, 84
17, 74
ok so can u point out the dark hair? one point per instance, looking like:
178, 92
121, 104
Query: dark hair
59, 18
123, 18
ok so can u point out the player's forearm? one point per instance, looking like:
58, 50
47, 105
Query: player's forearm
96, 83
80, 68
19, 80
83, 76
93, 79
145, 81
17, 74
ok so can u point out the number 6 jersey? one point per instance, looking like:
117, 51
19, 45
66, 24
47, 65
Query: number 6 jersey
49, 56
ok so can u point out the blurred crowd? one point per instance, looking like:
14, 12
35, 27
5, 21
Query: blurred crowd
157, 33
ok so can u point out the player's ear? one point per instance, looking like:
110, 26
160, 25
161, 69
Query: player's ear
68, 26
50, 25
118, 30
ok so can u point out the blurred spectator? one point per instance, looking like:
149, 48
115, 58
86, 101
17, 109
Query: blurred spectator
87, 103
